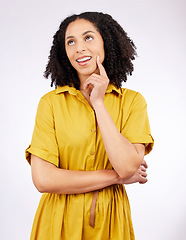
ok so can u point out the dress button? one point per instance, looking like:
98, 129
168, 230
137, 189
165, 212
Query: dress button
93, 130
92, 153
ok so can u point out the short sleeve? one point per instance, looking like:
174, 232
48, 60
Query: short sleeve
136, 127
44, 144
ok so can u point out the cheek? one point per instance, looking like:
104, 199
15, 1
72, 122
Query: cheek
102, 56
101, 52
69, 52
68, 55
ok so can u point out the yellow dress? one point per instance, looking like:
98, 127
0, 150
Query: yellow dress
67, 135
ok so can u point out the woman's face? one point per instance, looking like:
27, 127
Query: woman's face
83, 43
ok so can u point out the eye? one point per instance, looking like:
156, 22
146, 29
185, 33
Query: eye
70, 42
88, 38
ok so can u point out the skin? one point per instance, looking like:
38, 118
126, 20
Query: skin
83, 40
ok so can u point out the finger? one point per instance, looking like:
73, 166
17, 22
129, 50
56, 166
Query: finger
144, 181
101, 68
142, 168
95, 82
94, 79
98, 77
144, 164
143, 174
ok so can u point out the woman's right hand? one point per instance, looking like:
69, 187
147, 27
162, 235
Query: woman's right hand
140, 175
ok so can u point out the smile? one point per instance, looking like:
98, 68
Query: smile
83, 59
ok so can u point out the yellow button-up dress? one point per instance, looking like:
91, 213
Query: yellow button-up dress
66, 134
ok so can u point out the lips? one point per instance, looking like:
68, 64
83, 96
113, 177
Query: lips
83, 60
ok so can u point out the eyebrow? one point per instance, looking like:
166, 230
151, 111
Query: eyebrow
82, 34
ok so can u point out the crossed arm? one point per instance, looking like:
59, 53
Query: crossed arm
48, 178
125, 157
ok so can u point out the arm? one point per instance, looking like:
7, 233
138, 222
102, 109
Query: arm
48, 178
124, 156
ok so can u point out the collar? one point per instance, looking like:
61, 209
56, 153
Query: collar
112, 87
73, 91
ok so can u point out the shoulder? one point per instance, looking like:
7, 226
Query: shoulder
46, 101
131, 96
51, 97
48, 96
57, 96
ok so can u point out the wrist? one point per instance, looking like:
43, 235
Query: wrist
116, 178
98, 105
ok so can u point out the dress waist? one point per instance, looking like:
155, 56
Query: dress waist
93, 205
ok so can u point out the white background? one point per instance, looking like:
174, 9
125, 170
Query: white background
158, 30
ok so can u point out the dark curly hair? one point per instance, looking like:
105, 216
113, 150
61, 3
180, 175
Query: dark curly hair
119, 51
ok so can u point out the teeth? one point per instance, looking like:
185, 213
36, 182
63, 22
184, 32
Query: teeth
83, 59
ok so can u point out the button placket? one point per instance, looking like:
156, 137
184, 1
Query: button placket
83, 99
92, 149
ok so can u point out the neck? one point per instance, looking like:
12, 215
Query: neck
82, 80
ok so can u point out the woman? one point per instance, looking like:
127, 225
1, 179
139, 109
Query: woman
90, 135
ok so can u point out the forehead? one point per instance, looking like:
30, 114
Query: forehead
79, 26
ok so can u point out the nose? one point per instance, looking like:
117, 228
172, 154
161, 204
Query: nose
80, 46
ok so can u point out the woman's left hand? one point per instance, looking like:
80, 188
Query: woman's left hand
99, 82
140, 175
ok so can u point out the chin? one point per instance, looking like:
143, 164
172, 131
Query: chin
87, 72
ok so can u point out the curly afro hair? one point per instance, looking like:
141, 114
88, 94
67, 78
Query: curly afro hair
119, 51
